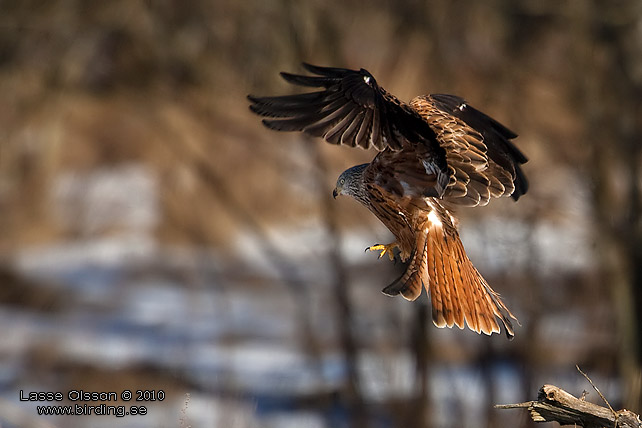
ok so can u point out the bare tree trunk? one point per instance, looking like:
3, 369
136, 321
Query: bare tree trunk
340, 284
614, 132
419, 414
352, 390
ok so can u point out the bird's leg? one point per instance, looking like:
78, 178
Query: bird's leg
389, 249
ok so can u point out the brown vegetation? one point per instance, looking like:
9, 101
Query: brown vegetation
93, 86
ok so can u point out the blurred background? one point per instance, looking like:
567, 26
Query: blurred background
154, 236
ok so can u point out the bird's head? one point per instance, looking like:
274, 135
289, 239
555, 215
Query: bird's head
350, 182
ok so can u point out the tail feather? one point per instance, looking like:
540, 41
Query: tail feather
477, 316
441, 305
410, 284
459, 294
459, 300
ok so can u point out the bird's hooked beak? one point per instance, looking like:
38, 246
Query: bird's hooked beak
335, 193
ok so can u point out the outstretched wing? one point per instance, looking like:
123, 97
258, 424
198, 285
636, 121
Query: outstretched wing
482, 161
351, 109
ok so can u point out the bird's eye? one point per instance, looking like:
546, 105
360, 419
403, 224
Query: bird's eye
342, 181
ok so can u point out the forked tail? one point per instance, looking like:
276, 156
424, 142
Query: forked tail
458, 293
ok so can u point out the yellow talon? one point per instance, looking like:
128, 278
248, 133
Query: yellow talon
389, 249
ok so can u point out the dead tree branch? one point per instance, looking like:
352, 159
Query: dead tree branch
556, 405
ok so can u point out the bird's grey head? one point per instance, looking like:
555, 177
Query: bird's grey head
350, 183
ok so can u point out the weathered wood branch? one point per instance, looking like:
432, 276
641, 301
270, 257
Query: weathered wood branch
555, 404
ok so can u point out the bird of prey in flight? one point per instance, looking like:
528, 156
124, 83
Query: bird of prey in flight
434, 154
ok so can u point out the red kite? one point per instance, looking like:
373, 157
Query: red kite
435, 153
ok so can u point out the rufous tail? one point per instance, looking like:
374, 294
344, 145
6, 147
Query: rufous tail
458, 293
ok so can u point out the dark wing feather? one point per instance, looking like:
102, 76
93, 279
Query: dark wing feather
482, 161
496, 136
352, 109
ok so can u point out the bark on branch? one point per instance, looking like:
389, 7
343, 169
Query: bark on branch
555, 404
